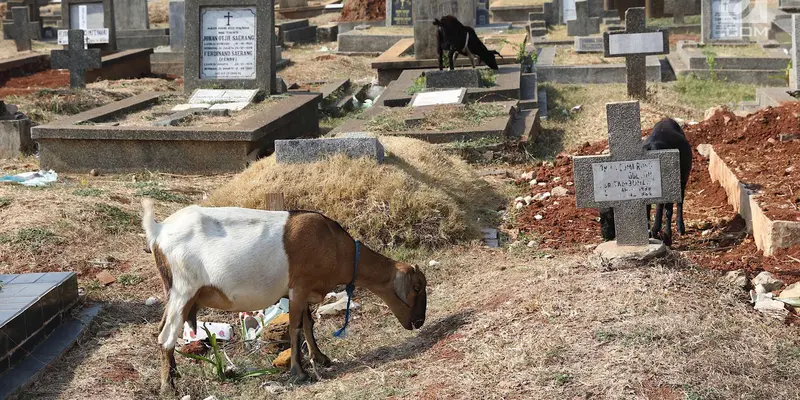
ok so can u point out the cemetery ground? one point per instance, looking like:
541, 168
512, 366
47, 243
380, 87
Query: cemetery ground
519, 321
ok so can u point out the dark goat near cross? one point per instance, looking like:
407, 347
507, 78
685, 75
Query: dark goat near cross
455, 37
666, 134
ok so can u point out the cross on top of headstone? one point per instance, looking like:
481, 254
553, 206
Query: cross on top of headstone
635, 43
22, 32
629, 178
76, 59
583, 25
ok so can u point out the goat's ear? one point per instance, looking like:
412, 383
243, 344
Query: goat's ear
402, 286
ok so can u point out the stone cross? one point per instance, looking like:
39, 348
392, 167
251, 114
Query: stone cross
794, 77
679, 11
76, 59
629, 178
22, 30
583, 25
635, 43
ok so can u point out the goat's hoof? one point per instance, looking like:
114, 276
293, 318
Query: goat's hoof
323, 360
168, 389
298, 376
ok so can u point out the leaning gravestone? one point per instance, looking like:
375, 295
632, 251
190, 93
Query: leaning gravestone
398, 12
627, 179
425, 12
22, 33
635, 43
95, 17
230, 45
721, 21
76, 59
794, 75
583, 25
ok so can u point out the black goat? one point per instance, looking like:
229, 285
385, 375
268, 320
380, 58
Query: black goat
667, 134
453, 36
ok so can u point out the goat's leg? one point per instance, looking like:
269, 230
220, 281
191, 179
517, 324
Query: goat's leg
297, 307
667, 236
174, 315
452, 59
654, 231
471, 58
649, 207
679, 218
308, 331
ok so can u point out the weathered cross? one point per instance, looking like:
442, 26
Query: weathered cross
583, 25
22, 30
629, 178
228, 17
679, 11
635, 43
76, 59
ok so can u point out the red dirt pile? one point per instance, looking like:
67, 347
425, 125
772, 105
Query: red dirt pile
716, 236
49, 79
363, 10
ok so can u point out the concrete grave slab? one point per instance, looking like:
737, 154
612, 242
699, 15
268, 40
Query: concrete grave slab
312, 150
361, 43
251, 28
438, 97
458, 78
182, 149
629, 178
547, 71
766, 70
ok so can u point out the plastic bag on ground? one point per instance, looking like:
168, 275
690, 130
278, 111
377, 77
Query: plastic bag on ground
35, 178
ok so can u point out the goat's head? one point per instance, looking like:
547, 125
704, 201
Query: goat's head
406, 295
607, 230
489, 59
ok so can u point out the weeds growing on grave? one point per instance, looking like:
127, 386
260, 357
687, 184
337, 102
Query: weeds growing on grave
31, 239
488, 77
159, 194
115, 220
129, 279
418, 86
217, 361
701, 93
711, 60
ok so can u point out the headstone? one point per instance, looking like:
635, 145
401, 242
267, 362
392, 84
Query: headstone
22, 33
583, 25
794, 78
459, 78
398, 12
293, 3
439, 97
177, 17
635, 43
311, 150
230, 44
588, 44
425, 12
131, 15
15, 133
568, 11
76, 59
482, 15
721, 21
92, 16
629, 178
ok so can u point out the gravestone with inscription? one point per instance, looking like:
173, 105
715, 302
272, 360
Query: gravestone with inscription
425, 12
95, 18
399, 12
635, 43
568, 12
721, 21
583, 25
229, 45
589, 44
629, 178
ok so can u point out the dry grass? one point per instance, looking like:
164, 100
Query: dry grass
566, 55
311, 64
158, 11
8, 48
753, 50
419, 197
437, 119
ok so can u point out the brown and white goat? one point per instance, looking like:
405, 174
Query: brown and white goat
239, 259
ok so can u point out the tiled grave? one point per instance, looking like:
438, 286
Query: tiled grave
32, 306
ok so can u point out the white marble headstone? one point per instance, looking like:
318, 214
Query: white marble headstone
228, 43
440, 97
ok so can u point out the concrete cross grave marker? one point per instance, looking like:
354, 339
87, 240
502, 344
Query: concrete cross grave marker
635, 43
583, 25
76, 59
629, 178
22, 32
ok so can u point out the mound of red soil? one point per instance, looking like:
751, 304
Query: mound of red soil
716, 236
48, 79
363, 10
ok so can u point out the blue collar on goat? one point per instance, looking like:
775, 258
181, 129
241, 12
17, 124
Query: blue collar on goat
350, 288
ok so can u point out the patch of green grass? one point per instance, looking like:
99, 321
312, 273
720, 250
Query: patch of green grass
88, 192
5, 202
129, 279
418, 86
476, 143
161, 195
94, 284
31, 239
668, 21
562, 379
702, 93
115, 220
488, 77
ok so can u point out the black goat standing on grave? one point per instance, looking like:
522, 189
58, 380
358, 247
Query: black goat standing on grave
453, 36
666, 134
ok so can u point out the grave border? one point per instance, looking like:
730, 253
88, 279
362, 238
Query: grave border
265, 26
589, 73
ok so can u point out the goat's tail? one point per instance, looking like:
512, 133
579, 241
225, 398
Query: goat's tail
151, 227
